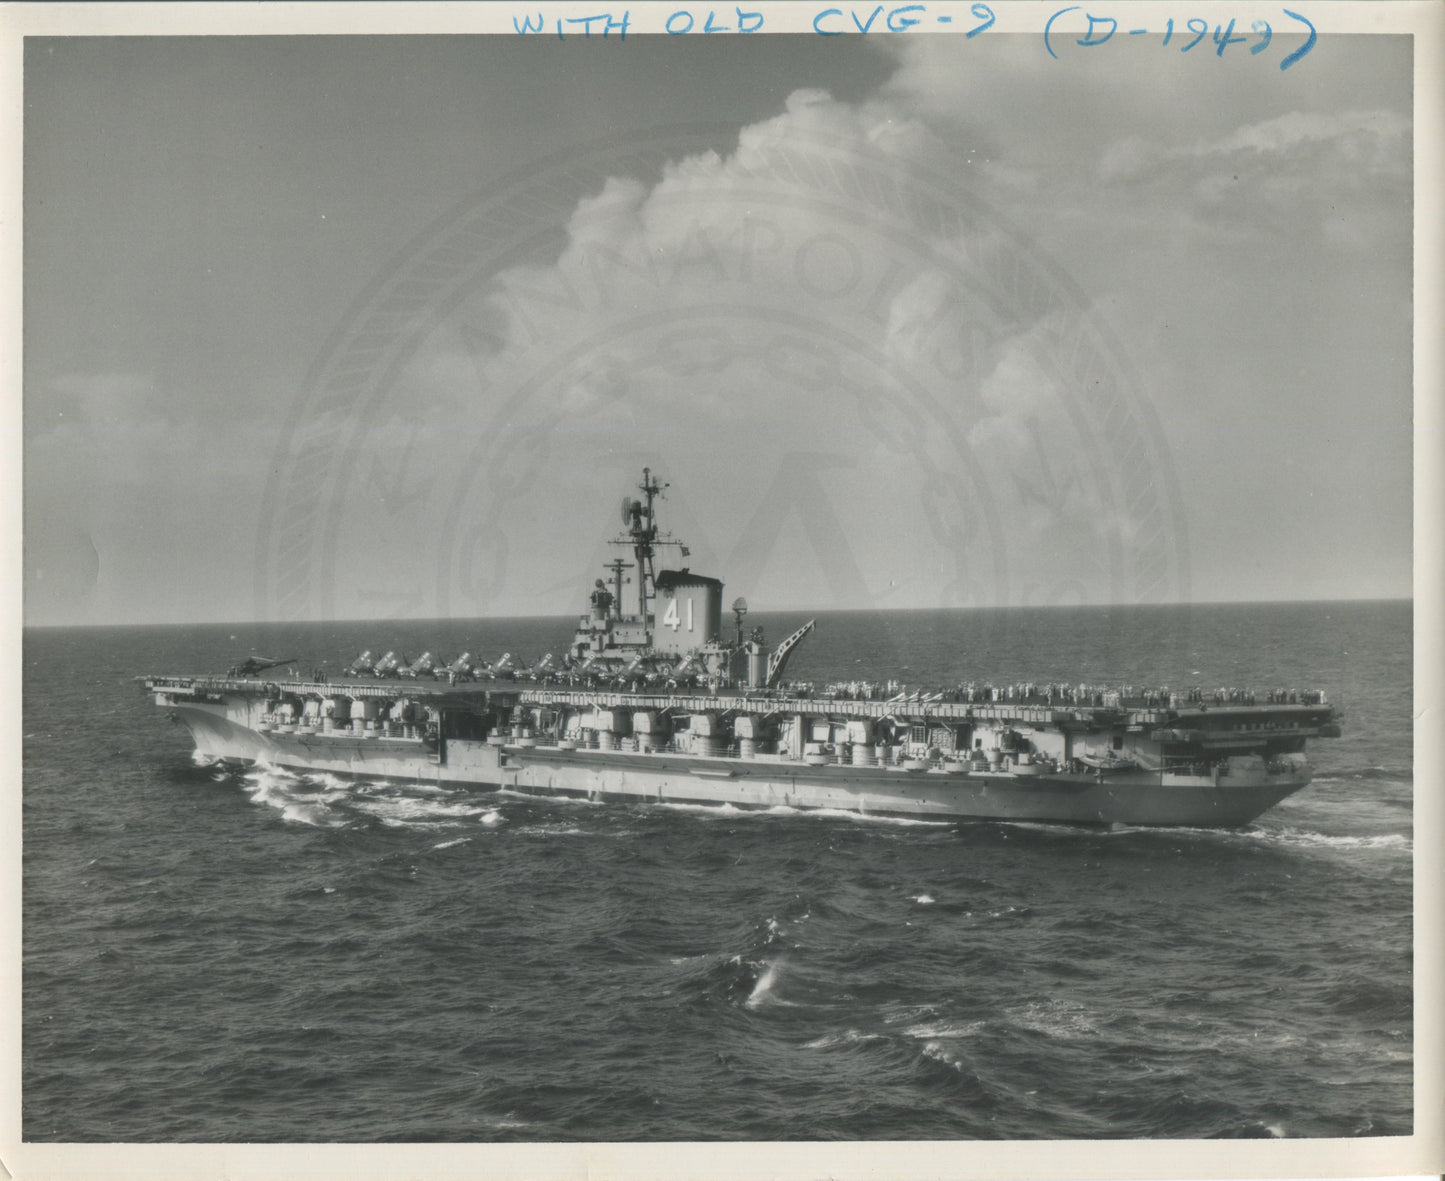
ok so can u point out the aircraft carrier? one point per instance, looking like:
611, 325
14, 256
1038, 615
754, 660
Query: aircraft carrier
654, 703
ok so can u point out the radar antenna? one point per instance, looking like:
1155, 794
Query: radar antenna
740, 608
640, 519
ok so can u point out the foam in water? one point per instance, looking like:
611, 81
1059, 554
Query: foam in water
848, 1037
449, 844
944, 1030
1352, 779
1319, 840
401, 811
729, 810
265, 786
856, 817
1239, 935
1285, 836
1059, 1019
263, 766
763, 990
939, 1053
923, 899
872, 818
297, 799
732, 812
555, 801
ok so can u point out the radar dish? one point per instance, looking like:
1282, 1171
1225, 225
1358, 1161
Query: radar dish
740, 605
629, 506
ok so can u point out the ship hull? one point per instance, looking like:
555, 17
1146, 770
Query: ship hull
1133, 797
651, 703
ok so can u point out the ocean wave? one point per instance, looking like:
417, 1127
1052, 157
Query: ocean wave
1385, 1002
278, 791
897, 821
400, 811
859, 817
849, 1037
774, 930
927, 1032
1283, 836
1056, 1019
1380, 771
536, 797
730, 811
1400, 777
504, 1122
1255, 1129
765, 988
938, 1052
1304, 838
261, 766
737, 980
450, 844
374, 787
327, 800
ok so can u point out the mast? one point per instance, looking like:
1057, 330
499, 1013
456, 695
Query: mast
640, 519
643, 538
617, 566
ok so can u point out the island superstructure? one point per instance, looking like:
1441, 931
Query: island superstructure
655, 702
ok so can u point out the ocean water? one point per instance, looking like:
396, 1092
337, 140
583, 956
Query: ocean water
269, 957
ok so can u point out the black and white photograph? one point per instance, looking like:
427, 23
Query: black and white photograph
822, 581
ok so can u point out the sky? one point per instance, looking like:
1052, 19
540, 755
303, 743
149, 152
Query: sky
387, 327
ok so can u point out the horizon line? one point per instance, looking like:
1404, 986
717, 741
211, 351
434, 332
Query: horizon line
786, 610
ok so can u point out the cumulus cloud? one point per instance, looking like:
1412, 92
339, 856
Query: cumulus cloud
677, 278
1227, 150
750, 314
1370, 138
1339, 178
801, 296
